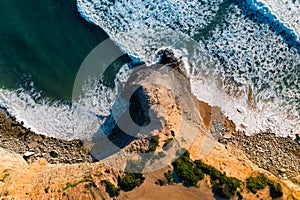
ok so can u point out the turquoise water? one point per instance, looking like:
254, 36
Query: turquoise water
44, 41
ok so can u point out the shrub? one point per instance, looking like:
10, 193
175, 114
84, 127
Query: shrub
198, 172
131, 180
275, 190
260, 182
186, 170
161, 182
221, 184
169, 177
168, 143
112, 189
225, 186
154, 140
256, 183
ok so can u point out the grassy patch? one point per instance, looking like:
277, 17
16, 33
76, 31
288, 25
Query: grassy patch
71, 185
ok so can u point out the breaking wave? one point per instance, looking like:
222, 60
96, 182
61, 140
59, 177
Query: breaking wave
243, 55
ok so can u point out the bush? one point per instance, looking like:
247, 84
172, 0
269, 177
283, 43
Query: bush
168, 143
225, 186
275, 190
161, 182
207, 169
191, 172
169, 177
186, 170
112, 189
254, 184
221, 184
198, 172
154, 141
260, 182
130, 181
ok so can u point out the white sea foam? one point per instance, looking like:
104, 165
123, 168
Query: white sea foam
252, 60
286, 11
243, 67
79, 120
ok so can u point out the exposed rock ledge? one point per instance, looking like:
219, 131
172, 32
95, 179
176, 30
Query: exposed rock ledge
177, 114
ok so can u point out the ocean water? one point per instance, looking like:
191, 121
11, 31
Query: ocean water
241, 55
43, 44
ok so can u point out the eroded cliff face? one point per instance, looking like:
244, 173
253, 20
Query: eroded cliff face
155, 102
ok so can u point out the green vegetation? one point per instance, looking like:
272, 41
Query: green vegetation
221, 184
161, 182
275, 190
154, 140
84, 150
168, 143
86, 179
191, 172
186, 170
47, 189
254, 184
98, 174
168, 179
112, 189
131, 181
225, 186
90, 185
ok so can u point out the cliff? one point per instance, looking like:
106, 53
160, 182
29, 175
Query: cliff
162, 117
